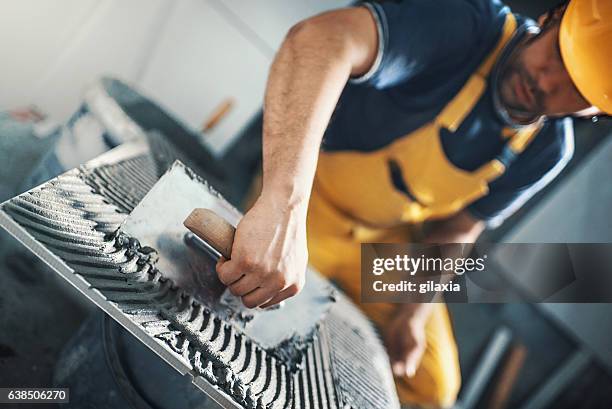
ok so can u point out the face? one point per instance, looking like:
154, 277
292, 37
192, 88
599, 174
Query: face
535, 82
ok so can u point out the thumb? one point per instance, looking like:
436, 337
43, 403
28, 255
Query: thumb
221, 261
220, 266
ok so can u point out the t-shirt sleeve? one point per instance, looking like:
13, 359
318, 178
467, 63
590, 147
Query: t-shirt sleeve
417, 36
534, 169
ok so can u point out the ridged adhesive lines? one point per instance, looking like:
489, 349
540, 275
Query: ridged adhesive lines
77, 215
65, 220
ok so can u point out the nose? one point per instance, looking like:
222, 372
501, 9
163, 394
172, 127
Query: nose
556, 90
553, 79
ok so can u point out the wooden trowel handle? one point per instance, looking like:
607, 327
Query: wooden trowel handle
213, 229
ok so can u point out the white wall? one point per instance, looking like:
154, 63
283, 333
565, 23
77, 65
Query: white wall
51, 50
190, 55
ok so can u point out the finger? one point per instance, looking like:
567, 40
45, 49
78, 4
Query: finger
258, 297
399, 368
229, 271
244, 285
220, 262
283, 295
412, 361
405, 356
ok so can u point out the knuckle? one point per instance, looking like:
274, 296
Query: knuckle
228, 277
281, 280
234, 289
246, 262
250, 264
249, 303
223, 277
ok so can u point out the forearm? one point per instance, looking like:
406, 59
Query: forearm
304, 85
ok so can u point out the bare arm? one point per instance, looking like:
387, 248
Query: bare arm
316, 59
306, 80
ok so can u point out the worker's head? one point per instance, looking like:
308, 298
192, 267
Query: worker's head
565, 68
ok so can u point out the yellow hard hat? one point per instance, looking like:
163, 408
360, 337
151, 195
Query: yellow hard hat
585, 39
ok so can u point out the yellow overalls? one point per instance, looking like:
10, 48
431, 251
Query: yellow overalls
354, 200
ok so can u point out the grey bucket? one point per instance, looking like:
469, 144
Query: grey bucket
106, 367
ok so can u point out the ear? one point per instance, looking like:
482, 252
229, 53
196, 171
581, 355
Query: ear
552, 16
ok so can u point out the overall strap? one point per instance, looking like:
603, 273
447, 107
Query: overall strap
507, 33
510, 152
462, 104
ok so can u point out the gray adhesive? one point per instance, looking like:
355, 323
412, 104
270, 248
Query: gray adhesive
77, 217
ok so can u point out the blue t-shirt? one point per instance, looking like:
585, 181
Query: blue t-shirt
427, 51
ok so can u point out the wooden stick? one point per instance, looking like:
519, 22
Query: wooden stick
507, 378
218, 114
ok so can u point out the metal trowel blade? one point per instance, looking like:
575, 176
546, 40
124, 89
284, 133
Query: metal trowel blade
188, 261
157, 222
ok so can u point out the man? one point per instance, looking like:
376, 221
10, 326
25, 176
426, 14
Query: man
451, 120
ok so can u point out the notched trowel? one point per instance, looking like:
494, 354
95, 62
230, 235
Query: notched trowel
188, 258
